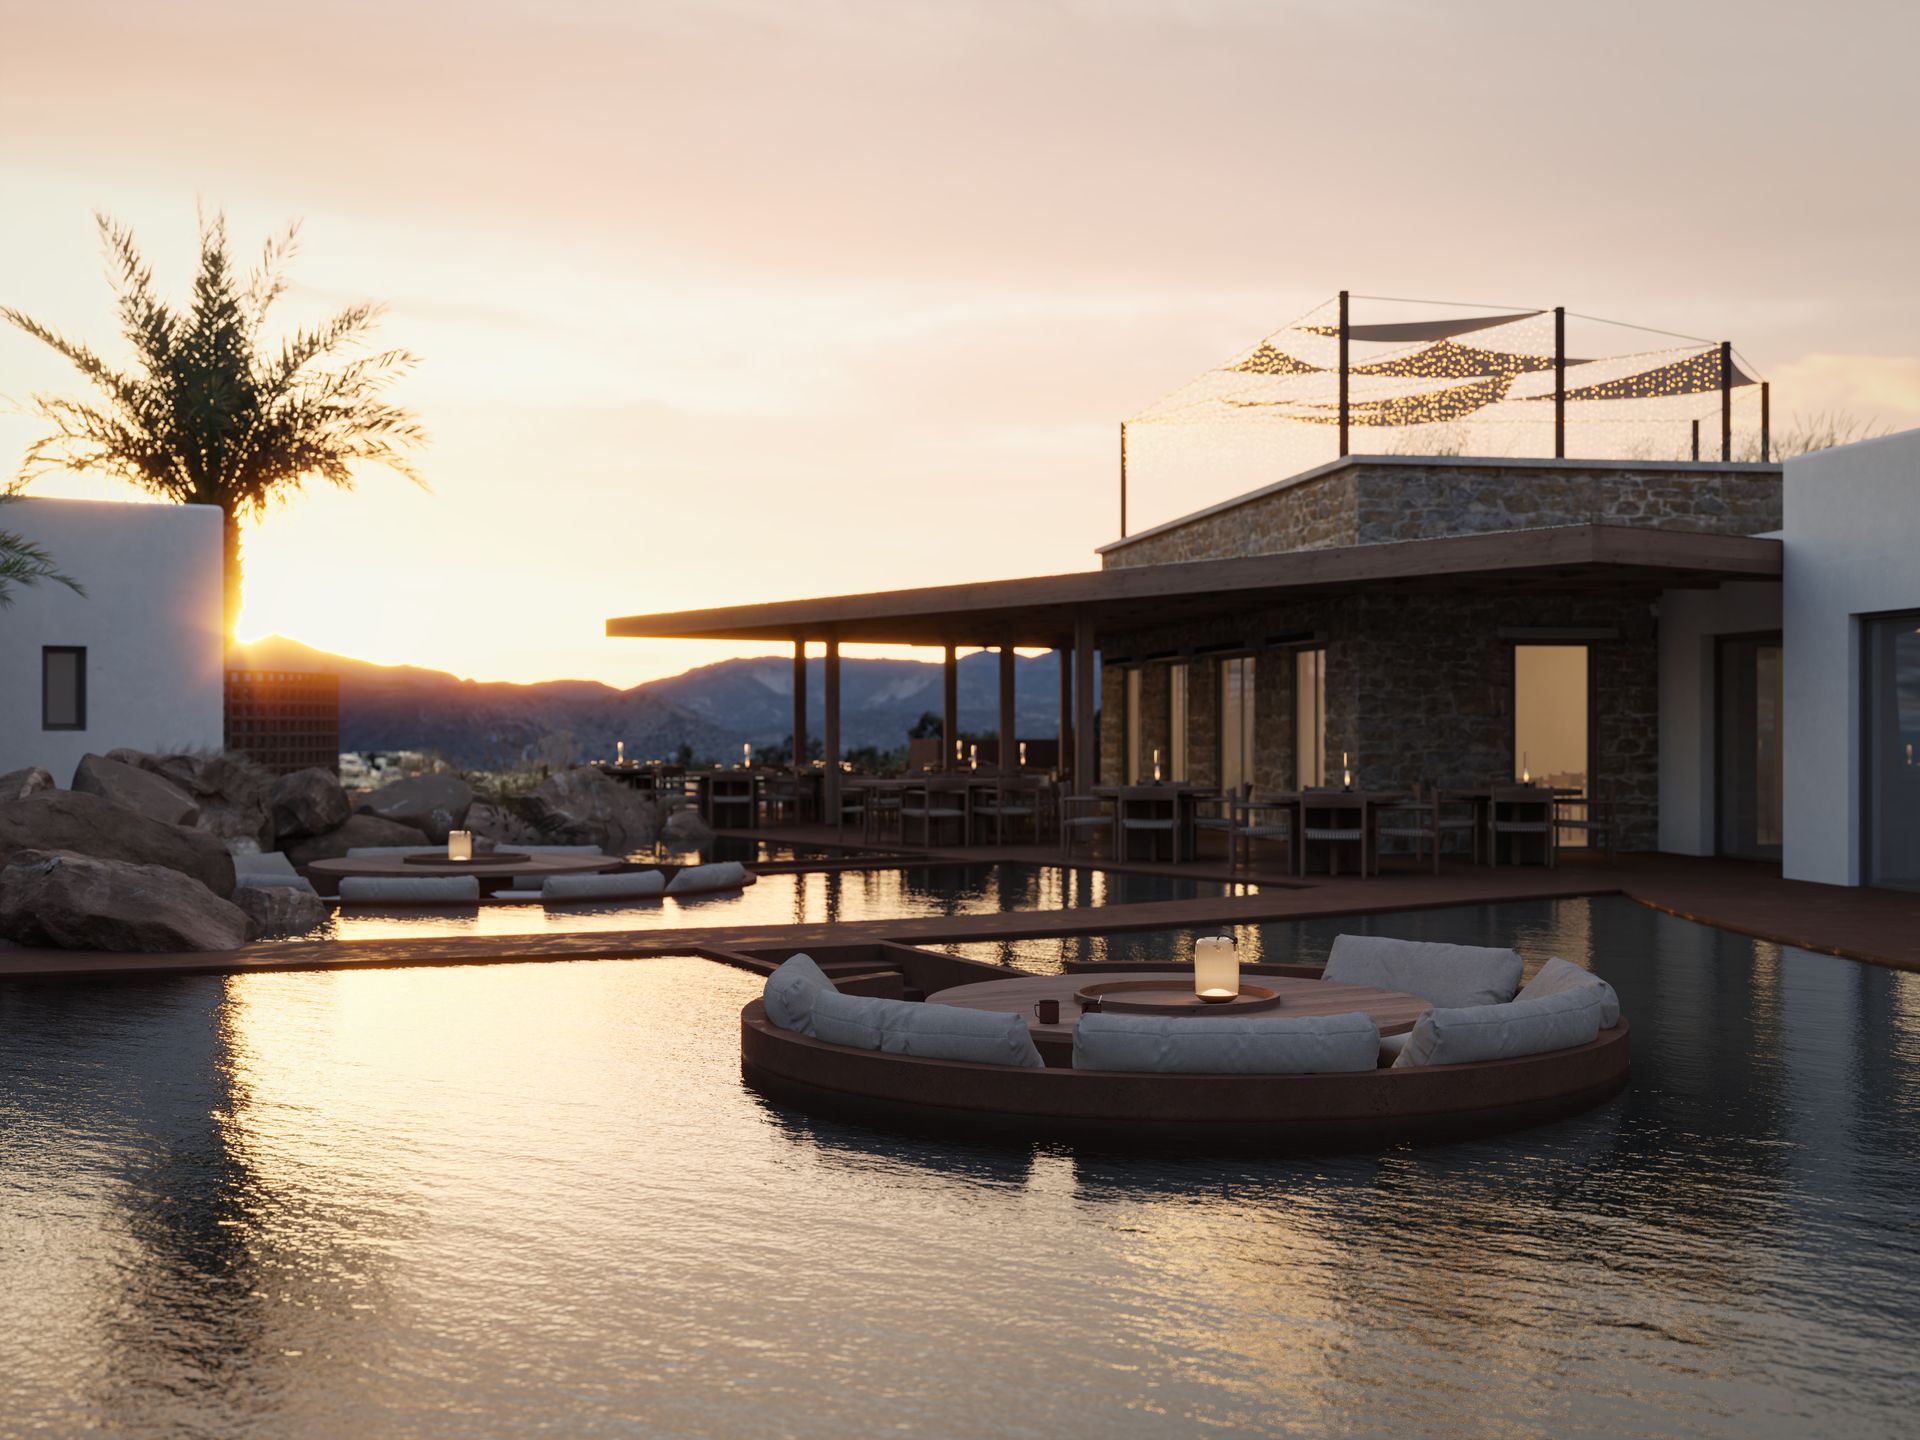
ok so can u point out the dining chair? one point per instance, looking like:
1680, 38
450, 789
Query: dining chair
1590, 817
1083, 815
1520, 810
1333, 818
853, 806
1142, 815
933, 805
1257, 819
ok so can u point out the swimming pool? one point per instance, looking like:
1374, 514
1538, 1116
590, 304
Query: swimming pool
792, 898
480, 1201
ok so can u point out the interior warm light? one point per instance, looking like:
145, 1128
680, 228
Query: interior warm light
1216, 967
459, 845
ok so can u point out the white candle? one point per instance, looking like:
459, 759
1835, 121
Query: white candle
459, 845
1156, 767
1216, 968
1023, 754
973, 757
746, 755
619, 752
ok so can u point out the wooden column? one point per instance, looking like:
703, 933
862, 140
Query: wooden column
1726, 400
1009, 745
1766, 422
949, 709
799, 702
1064, 655
1086, 739
830, 736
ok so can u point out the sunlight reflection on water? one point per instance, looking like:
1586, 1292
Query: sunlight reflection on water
489, 1200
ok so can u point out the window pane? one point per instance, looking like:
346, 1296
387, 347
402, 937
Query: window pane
1309, 718
1550, 718
1236, 723
62, 671
1893, 758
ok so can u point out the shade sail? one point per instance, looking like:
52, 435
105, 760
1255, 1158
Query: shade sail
1269, 361
1448, 361
1429, 407
1408, 331
1690, 375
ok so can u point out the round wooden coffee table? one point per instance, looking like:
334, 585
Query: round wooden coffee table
1392, 1010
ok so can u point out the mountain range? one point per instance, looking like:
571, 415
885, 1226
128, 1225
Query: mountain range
715, 708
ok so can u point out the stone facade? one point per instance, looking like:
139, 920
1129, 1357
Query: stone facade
1374, 499
1419, 689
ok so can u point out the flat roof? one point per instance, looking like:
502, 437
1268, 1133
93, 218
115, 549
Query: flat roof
1042, 610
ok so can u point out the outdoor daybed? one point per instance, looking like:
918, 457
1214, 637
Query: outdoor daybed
1269, 1083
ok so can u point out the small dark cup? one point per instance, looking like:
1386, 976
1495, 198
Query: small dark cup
1048, 1011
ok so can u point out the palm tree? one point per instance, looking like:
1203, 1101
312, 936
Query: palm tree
24, 563
212, 414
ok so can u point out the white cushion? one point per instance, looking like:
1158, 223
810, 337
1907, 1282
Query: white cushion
791, 991
632, 885
1558, 976
1503, 1032
1256, 1045
929, 1032
727, 875
1450, 975
428, 890
1392, 1045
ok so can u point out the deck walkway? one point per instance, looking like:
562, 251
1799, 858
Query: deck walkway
1882, 927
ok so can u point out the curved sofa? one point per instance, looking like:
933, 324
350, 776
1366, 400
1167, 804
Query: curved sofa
1396, 1102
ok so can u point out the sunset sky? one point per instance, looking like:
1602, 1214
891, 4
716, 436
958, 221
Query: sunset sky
735, 301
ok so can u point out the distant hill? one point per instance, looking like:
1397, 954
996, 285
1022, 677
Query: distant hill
714, 708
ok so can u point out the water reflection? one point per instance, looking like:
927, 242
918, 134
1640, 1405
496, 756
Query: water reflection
438, 1202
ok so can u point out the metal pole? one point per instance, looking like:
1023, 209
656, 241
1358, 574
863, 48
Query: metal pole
1766, 422
1123, 479
1726, 400
1696, 440
1345, 409
1559, 382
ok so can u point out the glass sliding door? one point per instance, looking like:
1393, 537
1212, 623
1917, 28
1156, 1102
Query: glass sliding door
1892, 768
1134, 738
1550, 719
1177, 722
1236, 723
1309, 718
1747, 752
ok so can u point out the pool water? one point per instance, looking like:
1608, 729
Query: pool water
788, 898
511, 1198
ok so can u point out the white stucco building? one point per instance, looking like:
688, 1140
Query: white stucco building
138, 660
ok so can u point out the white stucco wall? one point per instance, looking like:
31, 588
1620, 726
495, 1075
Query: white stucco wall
1852, 529
1690, 622
151, 623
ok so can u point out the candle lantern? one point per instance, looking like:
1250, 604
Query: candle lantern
1023, 754
1216, 968
746, 755
973, 757
1156, 767
1526, 774
459, 845
619, 752
1346, 772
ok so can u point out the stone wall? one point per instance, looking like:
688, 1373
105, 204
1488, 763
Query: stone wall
1420, 690
1372, 500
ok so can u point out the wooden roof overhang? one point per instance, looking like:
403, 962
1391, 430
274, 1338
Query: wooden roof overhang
1042, 610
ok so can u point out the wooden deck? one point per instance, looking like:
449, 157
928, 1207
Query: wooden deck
1882, 927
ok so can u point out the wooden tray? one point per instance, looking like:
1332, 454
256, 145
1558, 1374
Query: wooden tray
1161, 997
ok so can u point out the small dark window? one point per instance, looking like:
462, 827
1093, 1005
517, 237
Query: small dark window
63, 687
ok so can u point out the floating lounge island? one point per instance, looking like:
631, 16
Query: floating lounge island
1346, 1060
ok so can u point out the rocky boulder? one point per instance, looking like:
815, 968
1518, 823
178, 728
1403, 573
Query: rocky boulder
278, 912
81, 902
18, 784
685, 830
87, 824
137, 789
584, 807
489, 823
358, 832
231, 791
307, 802
431, 804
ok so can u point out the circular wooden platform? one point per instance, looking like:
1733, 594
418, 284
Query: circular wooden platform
1265, 1114
485, 867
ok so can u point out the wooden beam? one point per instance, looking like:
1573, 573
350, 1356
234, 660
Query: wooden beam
830, 735
949, 708
1009, 752
799, 702
1086, 739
